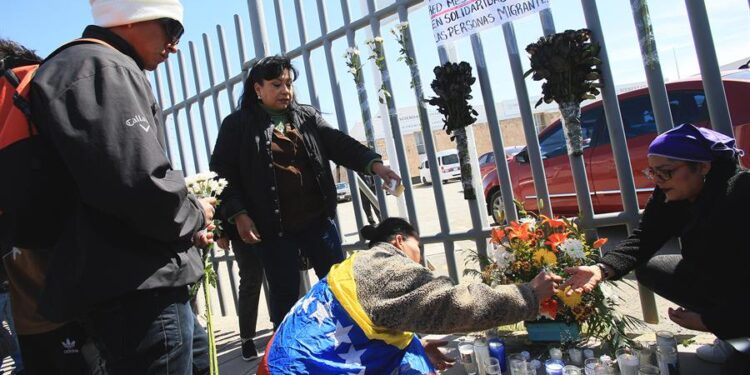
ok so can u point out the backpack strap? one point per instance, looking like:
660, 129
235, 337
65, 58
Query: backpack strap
76, 42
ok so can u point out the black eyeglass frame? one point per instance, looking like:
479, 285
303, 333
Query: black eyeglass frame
173, 29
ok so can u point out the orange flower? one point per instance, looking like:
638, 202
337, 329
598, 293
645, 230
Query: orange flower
599, 243
555, 239
553, 223
520, 231
497, 235
548, 308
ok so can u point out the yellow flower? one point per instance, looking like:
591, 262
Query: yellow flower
569, 300
545, 257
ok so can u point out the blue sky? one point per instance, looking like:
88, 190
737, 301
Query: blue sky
45, 24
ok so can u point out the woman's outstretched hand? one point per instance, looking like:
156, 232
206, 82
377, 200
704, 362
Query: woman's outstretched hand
583, 279
386, 173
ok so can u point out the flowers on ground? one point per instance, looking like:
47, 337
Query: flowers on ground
520, 250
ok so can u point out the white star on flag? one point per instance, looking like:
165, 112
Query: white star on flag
353, 355
320, 314
306, 303
341, 335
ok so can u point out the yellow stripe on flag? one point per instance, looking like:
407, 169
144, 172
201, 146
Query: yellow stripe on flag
341, 281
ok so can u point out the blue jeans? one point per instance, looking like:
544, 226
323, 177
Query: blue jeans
320, 242
150, 332
7, 315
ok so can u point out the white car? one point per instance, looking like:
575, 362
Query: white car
343, 193
450, 167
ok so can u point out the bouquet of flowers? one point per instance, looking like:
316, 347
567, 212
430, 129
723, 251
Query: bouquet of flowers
522, 249
206, 185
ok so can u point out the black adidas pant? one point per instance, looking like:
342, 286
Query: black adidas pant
54, 352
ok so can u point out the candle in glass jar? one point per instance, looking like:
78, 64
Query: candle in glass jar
588, 353
628, 364
554, 366
576, 356
555, 353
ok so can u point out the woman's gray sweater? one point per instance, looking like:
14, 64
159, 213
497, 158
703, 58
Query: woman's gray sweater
398, 293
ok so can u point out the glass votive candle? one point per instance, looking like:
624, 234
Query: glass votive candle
517, 364
588, 353
554, 366
627, 360
646, 354
576, 356
492, 366
468, 358
555, 353
572, 370
648, 370
589, 365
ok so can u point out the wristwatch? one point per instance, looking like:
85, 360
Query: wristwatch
604, 269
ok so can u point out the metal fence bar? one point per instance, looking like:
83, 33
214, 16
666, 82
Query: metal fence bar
364, 106
302, 29
176, 115
476, 209
258, 27
226, 67
430, 149
577, 163
280, 24
498, 147
183, 86
619, 144
398, 139
656, 89
201, 102
213, 90
704, 47
160, 98
338, 105
241, 46
529, 129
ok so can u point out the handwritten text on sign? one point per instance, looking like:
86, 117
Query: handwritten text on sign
454, 19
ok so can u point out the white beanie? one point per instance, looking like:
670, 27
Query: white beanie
109, 13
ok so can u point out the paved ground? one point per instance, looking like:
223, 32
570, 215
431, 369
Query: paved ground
228, 337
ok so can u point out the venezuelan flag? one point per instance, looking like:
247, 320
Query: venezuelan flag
328, 332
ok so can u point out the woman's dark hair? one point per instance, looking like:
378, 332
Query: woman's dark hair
12, 50
387, 230
265, 69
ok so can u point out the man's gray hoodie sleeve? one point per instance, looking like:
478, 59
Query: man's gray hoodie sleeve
399, 294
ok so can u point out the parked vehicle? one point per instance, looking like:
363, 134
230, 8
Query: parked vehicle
688, 104
450, 167
343, 193
487, 160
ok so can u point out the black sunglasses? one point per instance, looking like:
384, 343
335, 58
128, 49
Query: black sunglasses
173, 29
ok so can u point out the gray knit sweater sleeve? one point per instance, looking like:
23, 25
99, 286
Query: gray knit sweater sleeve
399, 294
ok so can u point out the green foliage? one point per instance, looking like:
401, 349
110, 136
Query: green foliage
452, 84
567, 62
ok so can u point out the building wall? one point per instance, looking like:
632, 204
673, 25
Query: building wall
512, 131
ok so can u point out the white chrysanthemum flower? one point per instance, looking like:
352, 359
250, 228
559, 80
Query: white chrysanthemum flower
353, 70
369, 41
502, 257
378, 39
573, 248
530, 220
402, 25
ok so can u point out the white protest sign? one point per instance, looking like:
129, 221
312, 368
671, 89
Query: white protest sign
454, 19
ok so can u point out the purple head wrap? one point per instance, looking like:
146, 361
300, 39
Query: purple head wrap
691, 143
